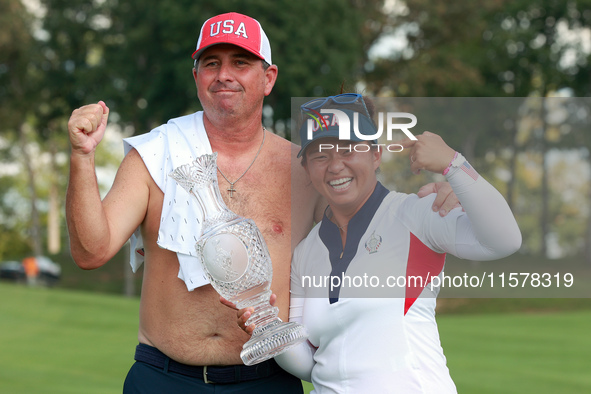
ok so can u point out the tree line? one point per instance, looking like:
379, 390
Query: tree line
136, 56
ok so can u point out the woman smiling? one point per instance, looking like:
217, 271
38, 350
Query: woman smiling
370, 336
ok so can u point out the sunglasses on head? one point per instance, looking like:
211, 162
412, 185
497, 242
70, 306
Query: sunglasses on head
344, 98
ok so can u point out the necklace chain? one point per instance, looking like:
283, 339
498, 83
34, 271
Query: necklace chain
231, 190
331, 217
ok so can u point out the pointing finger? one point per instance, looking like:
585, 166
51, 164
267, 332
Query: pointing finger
405, 144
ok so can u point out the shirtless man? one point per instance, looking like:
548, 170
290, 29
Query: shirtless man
181, 331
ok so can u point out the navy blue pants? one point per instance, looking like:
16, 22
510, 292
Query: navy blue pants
155, 376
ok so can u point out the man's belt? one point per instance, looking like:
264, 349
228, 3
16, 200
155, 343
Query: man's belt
209, 374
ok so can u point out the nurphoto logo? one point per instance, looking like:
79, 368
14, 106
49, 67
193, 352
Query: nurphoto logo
386, 122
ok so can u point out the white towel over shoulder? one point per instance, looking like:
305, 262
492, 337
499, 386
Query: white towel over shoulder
163, 149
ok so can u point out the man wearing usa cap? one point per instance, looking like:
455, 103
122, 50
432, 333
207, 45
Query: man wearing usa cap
188, 340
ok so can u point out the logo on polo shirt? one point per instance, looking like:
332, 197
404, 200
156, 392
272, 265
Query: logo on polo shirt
373, 243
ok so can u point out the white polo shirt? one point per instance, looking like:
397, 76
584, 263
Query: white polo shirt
369, 344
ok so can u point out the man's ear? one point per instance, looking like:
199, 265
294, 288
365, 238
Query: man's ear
271, 76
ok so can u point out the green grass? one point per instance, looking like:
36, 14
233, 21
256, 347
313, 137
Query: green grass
519, 352
64, 341
56, 341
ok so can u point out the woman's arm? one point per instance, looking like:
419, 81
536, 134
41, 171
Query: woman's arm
489, 230
298, 360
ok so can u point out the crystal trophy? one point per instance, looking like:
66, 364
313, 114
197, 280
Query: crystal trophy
236, 260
